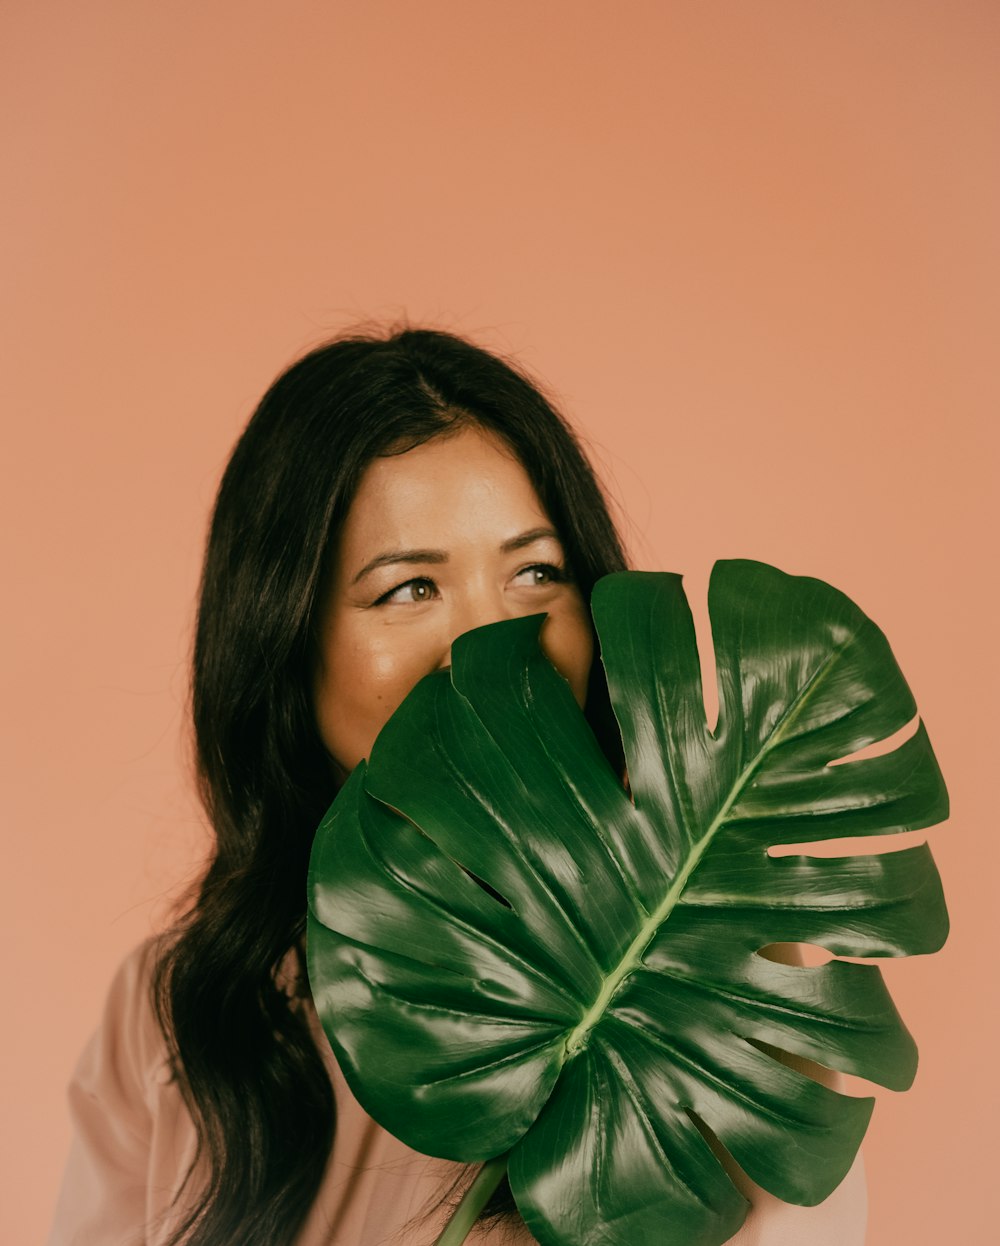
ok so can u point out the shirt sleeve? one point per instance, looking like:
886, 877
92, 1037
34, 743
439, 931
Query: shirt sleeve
103, 1201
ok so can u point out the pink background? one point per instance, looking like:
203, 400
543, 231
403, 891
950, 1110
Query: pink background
752, 246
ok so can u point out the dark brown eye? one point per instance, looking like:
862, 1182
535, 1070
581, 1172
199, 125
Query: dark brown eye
541, 574
410, 592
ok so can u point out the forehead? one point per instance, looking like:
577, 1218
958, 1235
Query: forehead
467, 483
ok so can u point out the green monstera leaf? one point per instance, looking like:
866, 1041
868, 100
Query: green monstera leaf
512, 950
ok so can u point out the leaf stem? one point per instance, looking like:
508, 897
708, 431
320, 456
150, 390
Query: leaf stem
473, 1201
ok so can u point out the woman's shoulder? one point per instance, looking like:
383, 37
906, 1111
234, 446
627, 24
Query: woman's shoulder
134, 972
124, 1131
127, 1052
838, 1221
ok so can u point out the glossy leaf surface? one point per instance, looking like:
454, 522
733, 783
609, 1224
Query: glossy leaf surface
508, 952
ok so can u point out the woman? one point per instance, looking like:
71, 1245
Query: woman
388, 495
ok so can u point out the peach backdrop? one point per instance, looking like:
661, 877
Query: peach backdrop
752, 246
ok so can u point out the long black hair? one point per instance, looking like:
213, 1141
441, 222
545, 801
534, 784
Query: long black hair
246, 1062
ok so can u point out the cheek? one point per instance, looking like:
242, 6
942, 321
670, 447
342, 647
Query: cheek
361, 681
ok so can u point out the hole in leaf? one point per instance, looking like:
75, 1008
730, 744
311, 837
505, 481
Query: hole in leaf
490, 891
801, 1064
733, 1170
696, 588
852, 846
833, 1079
803, 955
480, 882
881, 747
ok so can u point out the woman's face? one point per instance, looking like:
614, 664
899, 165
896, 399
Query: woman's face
442, 538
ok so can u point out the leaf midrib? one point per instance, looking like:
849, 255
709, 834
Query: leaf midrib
632, 958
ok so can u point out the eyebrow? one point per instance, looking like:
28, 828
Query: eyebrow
439, 556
